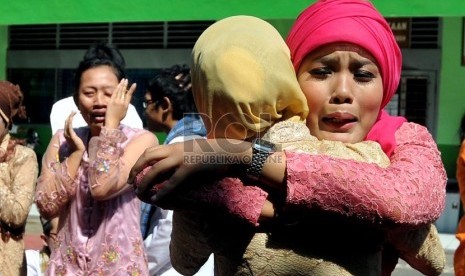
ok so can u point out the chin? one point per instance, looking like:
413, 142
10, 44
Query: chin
95, 128
342, 137
97, 125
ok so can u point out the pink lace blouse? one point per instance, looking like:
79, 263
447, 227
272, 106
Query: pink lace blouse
411, 191
96, 237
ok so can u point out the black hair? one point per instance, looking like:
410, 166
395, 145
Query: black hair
46, 226
46, 229
99, 54
462, 128
175, 84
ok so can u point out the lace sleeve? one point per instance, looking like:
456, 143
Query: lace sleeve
410, 191
235, 198
228, 195
55, 187
111, 156
16, 196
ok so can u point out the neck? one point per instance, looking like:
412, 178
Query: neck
170, 124
94, 131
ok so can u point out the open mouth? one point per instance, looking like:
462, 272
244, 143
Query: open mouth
98, 117
339, 120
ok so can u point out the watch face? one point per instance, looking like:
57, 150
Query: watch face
263, 145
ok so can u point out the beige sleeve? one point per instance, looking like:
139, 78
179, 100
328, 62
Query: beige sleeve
17, 196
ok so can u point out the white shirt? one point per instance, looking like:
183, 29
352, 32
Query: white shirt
62, 108
33, 262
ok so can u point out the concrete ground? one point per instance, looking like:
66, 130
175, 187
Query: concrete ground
33, 230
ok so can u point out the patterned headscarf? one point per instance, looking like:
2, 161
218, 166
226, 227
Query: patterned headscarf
243, 79
11, 99
359, 23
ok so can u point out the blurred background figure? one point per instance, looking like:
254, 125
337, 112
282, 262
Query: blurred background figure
18, 110
18, 175
169, 108
459, 256
37, 260
62, 108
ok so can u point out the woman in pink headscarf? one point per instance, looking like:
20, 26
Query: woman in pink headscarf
348, 65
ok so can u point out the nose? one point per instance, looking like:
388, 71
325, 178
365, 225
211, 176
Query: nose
341, 91
99, 98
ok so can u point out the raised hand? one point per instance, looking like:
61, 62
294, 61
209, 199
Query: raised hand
75, 142
118, 105
194, 161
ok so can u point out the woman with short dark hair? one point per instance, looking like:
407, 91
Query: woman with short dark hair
84, 175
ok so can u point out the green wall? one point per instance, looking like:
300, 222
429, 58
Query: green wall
281, 13
3, 48
451, 92
70, 11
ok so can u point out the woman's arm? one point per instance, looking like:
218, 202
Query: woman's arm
111, 157
57, 182
16, 197
410, 191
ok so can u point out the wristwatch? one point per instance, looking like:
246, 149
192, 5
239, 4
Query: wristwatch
261, 149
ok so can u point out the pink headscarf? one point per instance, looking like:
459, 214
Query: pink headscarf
357, 22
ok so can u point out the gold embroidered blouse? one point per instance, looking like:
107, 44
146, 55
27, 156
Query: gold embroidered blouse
18, 178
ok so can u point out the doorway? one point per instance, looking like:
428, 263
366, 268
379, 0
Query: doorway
415, 98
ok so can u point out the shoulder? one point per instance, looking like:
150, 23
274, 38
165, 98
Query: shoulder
132, 118
65, 102
132, 132
412, 131
25, 150
131, 107
24, 153
288, 131
31, 254
186, 138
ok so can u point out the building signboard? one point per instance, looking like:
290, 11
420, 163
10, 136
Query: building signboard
400, 26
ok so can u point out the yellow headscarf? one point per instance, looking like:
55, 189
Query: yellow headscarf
243, 79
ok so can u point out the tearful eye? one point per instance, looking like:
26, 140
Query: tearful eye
364, 76
320, 72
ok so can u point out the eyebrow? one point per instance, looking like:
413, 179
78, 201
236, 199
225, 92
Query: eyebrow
327, 60
360, 63
357, 62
